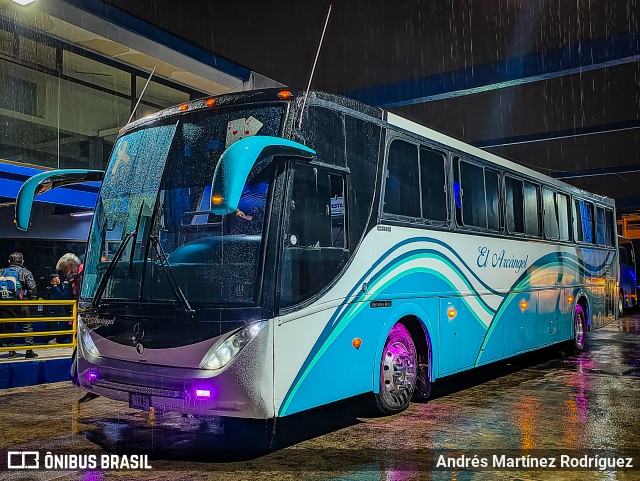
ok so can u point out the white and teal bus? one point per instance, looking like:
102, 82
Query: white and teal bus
249, 258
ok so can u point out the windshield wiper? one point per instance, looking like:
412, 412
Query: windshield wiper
111, 267
114, 262
168, 271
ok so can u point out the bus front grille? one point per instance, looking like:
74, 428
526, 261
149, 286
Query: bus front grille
152, 391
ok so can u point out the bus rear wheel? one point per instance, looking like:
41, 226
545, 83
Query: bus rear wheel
579, 329
398, 372
620, 304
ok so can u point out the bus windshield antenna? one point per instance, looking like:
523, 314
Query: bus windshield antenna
313, 69
144, 89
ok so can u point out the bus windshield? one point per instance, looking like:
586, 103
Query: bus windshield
155, 207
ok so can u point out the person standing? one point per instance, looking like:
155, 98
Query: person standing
71, 269
58, 291
17, 283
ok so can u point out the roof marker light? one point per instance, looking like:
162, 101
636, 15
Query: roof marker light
183, 107
451, 313
210, 102
284, 94
216, 199
523, 304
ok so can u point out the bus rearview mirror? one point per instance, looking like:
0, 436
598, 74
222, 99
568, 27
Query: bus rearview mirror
44, 182
236, 163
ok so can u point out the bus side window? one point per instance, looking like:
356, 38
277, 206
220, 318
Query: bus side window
474, 202
563, 216
550, 215
515, 205
583, 226
603, 227
611, 222
432, 182
480, 188
531, 210
492, 185
402, 189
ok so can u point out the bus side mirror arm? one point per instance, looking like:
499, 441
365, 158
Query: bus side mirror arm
44, 182
236, 163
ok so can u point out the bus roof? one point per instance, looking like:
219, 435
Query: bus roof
378, 115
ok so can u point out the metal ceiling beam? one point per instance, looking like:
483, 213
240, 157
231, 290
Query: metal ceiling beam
576, 174
558, 134
581, 57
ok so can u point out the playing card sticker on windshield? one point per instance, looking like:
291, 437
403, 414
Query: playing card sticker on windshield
240, 128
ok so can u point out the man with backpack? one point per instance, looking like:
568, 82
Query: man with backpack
17, 283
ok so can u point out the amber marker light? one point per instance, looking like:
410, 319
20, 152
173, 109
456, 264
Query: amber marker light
570, 299
451, 313
183, 107
357, 342
216, 199
284, 94
210, 102
523, 304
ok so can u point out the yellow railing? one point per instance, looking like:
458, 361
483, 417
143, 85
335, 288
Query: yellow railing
21, 334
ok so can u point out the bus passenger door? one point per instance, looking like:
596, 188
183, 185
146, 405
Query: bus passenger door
314, 251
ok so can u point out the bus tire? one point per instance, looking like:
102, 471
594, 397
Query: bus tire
73, 368
579, 330
398, 372
620, 304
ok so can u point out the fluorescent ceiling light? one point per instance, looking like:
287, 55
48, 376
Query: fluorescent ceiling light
23, 2
83, 213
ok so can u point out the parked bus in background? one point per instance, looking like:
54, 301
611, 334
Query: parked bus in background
628, 285
251, 257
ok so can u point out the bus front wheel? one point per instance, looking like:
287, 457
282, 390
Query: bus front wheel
398, 372
579, 329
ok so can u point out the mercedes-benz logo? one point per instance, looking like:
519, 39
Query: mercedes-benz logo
139, 348
138, 332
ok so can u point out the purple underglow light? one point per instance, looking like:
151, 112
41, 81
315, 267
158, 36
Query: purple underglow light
92, 476
92, 376
203, 394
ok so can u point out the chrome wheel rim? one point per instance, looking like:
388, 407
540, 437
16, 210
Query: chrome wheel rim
620, 305
398, 369
579, 331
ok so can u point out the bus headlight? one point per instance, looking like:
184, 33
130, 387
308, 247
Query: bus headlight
222, 353
87, 343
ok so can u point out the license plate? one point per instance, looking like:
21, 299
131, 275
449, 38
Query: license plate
139, 401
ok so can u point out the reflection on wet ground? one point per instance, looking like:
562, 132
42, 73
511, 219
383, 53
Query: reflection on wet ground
545, 404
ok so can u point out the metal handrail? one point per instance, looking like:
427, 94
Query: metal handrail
22, 334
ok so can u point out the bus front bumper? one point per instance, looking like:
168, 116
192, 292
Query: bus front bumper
243, 389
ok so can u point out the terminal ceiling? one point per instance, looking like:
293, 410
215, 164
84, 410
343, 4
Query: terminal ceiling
549, 84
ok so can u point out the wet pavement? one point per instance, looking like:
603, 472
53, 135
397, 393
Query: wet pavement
544, 405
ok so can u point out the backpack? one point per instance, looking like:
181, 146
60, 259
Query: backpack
10, 285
